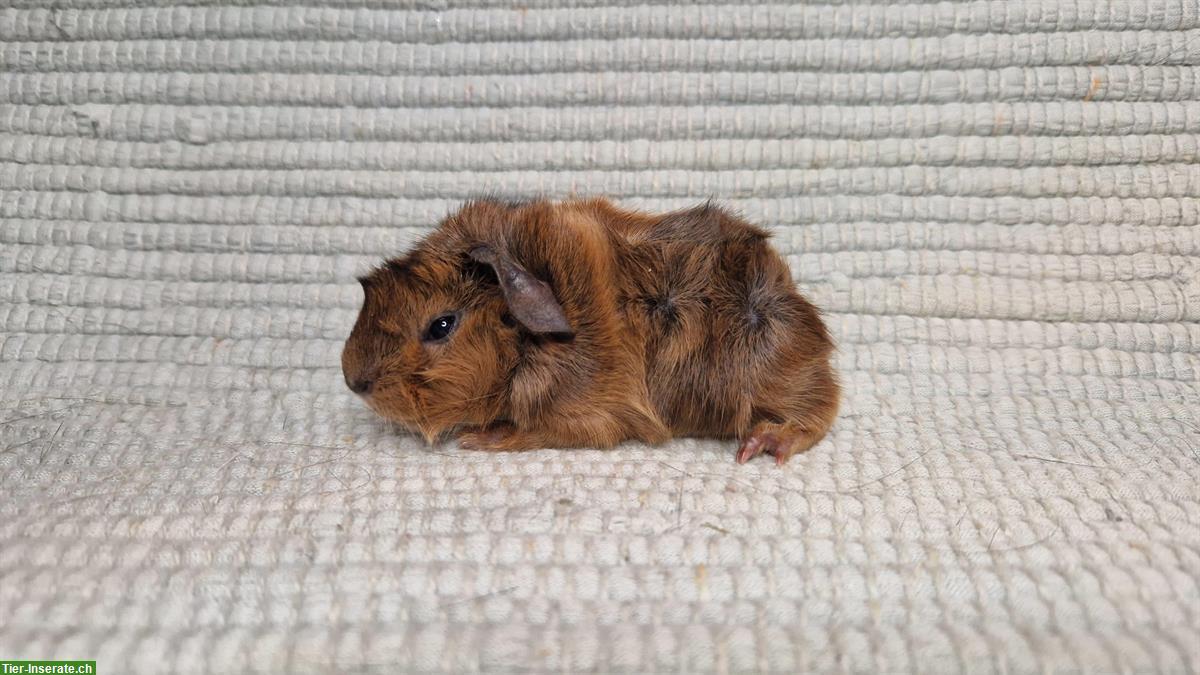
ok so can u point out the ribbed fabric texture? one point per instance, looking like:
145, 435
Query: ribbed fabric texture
994, 202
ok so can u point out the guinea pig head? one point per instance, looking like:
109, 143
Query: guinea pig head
437, 339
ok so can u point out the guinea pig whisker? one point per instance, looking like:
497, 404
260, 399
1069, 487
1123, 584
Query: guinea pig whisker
493, 394
423, 420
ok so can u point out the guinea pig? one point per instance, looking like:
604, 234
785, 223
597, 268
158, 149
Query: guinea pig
579, 324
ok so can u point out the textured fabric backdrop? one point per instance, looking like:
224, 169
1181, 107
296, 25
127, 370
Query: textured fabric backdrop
995, 202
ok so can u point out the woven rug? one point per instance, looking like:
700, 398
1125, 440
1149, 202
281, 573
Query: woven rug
995, 203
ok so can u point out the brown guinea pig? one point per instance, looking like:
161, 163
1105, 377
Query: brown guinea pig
568, 324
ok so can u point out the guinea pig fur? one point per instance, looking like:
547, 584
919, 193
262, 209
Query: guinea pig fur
580, 324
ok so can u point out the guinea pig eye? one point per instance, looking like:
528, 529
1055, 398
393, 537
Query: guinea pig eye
440, 328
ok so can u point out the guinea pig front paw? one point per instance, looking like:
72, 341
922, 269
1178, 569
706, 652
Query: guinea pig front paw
781, 440
497, 437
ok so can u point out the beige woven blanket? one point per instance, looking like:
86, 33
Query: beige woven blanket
995, 202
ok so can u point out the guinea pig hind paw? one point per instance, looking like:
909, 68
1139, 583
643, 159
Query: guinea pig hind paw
780, 440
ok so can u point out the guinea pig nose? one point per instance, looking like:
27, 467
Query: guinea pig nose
360, 385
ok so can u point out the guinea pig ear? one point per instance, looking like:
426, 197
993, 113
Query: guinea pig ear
529, 299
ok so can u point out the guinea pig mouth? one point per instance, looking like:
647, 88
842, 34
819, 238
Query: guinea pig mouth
399, 408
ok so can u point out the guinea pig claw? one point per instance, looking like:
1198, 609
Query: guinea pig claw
753, 446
